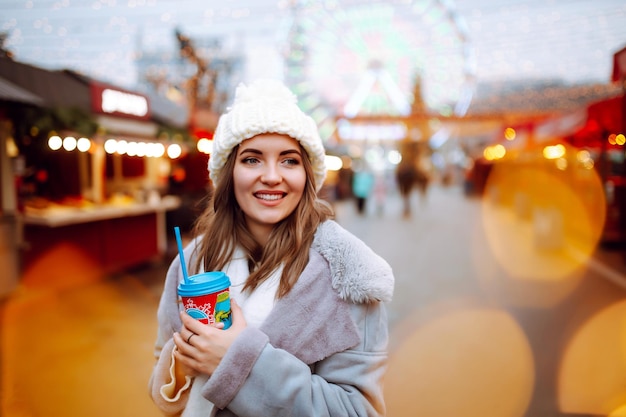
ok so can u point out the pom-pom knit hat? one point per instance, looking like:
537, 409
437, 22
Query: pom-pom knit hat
265, 106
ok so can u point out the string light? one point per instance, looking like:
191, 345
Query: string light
55, 143
69, 143
110, 146
83, 144
113, 146
174, 151
205, 146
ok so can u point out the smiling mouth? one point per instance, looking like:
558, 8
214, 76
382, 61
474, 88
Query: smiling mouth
269, 197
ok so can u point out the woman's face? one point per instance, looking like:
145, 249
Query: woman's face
269, 181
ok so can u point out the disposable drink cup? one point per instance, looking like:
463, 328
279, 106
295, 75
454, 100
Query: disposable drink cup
206, 297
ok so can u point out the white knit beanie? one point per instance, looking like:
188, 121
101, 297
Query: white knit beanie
266, 106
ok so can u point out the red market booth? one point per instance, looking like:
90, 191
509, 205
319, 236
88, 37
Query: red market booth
79, 204
603, 135
116, 216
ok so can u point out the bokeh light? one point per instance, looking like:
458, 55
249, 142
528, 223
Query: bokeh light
205, 146
174, 151
122, 147
542, 223
69, 143
619, 412
509, 133
592, 374
110, 146
55, 143
333, 163
465, 361
83, 144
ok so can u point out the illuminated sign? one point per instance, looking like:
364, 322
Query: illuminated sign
117, 102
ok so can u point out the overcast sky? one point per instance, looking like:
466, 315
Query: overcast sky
504, 39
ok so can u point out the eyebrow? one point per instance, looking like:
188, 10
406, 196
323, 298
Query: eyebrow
259, 152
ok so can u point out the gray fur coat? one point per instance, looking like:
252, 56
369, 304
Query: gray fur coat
322, 350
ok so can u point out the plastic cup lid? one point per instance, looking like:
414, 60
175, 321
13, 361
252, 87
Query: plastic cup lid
204, 283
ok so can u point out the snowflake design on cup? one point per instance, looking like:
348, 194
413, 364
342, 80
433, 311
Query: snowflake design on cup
199, 312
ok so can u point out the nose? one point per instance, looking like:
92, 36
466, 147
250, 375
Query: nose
271, 175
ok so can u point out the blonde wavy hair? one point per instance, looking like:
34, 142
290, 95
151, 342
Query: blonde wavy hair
222, 227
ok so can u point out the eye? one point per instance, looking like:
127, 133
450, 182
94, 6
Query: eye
250, 160
291, 161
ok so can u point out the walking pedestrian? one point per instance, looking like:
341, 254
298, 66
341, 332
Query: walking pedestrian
309, 329
405, 177
362, 185
380, 192
422, 181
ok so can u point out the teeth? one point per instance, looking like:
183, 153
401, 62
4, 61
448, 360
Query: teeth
269, 196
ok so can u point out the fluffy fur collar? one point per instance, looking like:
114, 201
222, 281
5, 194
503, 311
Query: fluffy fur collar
358, 274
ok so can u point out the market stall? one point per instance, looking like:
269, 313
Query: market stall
11, 96
113, 236
92, 168
603, 136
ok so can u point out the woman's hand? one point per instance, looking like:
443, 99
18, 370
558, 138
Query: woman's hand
201, 347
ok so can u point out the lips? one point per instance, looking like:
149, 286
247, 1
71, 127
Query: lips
269, 196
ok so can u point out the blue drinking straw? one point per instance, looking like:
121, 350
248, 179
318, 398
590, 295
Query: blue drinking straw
179, 241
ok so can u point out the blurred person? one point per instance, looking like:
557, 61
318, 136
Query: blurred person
309, 327
362, 186
380, 192
422, 181
406, 175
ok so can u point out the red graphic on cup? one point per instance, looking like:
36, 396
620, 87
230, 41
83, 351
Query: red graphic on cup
203, 307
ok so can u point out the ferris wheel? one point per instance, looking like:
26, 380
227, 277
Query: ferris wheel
331, 48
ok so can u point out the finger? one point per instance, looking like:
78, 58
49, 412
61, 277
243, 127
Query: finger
237, 315
191, 324
185, 363
180, 340
188, 338
185, 334
185, 348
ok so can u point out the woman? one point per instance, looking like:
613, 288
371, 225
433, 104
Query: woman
309, 327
